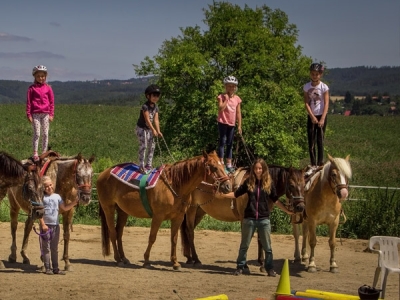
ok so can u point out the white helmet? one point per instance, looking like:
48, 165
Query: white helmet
39, 68
231, 79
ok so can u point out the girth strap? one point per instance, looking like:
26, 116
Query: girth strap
143, 194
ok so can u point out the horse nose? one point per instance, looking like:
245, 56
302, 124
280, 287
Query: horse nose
299, 208
226, 188
342, 194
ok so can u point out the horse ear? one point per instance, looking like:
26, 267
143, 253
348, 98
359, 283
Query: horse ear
92, 158
330, 157
347, 157
79, 156
205, 155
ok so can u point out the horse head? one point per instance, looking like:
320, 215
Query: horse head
339, 175
83, 177
295, 189
215, 168
32, 191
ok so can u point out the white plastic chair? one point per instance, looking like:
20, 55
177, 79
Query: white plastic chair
388, 259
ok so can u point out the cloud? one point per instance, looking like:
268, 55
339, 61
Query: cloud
5, 37
55, 24
35, 55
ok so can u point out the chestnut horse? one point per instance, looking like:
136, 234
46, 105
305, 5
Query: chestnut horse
23, 176
328, 187
287, 181
71, 178
168, 200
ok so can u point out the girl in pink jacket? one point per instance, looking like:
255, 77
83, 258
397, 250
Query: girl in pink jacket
40, 108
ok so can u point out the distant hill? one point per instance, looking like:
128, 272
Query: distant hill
363, 81
107, 92
360, 81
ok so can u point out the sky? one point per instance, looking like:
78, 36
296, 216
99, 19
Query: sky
79, 40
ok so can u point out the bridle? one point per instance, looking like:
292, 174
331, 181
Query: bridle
338, 186
36, 208
294, 201
217, 180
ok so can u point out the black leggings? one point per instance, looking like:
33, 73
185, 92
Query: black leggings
316, 135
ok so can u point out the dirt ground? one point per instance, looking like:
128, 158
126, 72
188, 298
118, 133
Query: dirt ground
96, 277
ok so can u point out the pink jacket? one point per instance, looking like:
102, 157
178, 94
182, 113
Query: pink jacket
40, 100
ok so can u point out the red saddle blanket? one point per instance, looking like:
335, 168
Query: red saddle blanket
129, 174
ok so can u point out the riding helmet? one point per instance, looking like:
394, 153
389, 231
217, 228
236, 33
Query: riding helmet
317, 67
231, 79
39, 68
152, 88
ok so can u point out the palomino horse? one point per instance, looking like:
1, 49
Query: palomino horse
287, 181
328, 187
25, 177
71, 178
168, 200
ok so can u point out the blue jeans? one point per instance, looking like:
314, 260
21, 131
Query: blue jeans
226, 134
263, 227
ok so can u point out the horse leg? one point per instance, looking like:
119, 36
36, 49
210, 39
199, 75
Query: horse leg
12, 258
67, 223
108, 212
175, 224
3, 192
312, 267
261, 257
304, 254
122, 217
332, 245
155, 225
27, 231
193, 217
296, 236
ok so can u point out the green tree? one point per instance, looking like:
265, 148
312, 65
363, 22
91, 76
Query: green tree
258, 46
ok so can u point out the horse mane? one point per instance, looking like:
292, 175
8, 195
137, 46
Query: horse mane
181, 171
342, 164
11, 167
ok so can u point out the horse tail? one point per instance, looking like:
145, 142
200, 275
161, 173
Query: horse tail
105, 236
185, 239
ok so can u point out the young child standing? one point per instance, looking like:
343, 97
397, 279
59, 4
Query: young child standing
316, 101
40, 108
49, 226
259, 188
145, 130
229, 113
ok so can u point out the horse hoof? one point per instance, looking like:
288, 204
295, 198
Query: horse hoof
120, 264
11, 260
67, 268
312, 269
26, 261
262, 270
126, 261
198, 264
176, 267
147, 265
334, 270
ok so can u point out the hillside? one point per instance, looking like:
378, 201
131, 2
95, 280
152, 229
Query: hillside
364, 81
357, 80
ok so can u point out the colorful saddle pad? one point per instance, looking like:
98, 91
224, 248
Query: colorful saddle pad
129, 174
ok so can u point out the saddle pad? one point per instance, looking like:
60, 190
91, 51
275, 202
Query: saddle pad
311, 180
129, 174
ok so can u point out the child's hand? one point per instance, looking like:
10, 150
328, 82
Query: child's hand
30, 119
160, 134
45, 228
51, 119
155, 133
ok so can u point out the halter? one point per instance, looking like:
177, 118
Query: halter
338, 186
36, 210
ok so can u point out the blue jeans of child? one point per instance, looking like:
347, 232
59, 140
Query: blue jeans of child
264, 231
226, 134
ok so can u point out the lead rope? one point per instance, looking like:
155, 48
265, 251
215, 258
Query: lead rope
247, 150
166, 146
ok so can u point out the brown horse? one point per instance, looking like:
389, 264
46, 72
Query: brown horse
168, 200
71, 178
328, 187
24, 176
287, 181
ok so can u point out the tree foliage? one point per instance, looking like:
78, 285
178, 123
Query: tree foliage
258, 46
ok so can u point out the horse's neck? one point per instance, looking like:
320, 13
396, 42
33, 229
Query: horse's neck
61, 171
185, 179
279, 178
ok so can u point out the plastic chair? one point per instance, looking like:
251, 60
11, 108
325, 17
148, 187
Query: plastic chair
388, 259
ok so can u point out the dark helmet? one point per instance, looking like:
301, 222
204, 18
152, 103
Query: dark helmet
152, 88
366, 292
317, 67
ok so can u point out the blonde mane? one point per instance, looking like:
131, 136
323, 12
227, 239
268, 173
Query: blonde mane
342, 165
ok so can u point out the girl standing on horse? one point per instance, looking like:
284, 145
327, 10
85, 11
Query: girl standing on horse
40, 108
228, 114
145, 130
316, 101
259, 189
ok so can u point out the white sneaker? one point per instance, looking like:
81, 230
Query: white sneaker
311, 170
